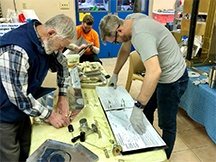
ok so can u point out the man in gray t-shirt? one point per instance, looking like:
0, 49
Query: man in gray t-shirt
166, 75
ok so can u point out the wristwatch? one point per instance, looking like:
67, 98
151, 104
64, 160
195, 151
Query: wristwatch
139, 105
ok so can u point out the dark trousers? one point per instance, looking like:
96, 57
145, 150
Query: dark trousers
167, 98
15, 140
91, 58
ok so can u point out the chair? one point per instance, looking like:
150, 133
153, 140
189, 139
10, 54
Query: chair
135, 66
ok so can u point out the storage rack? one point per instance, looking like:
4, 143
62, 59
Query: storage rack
206, 29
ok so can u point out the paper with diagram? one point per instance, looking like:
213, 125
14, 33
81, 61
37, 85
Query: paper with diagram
118, 118
113, 99
127, 137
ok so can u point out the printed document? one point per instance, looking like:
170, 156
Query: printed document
119, 120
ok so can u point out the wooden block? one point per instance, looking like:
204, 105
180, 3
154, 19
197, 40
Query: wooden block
185, 26
204, 6
212, 50
177, 36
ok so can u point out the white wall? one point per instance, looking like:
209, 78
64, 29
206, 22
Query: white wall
163, 4
44, 9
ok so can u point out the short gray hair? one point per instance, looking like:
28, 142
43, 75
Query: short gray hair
64, 26
108, 26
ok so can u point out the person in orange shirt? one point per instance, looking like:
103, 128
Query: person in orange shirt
91, 36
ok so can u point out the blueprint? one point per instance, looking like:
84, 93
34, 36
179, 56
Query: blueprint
127, 137
118, 114
112, 99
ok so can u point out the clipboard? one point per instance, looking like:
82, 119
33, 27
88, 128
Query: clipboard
79, 42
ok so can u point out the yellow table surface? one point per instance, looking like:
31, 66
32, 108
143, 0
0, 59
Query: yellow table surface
94, 114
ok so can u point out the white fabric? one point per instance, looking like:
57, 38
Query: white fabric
72, 46
137, 121
96, 50
113, 80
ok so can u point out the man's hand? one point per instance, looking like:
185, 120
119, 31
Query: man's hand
91, 45
113, 80
62, 106
136, 120
58, 120
82, 46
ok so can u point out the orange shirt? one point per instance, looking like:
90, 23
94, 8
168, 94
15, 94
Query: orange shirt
90, 37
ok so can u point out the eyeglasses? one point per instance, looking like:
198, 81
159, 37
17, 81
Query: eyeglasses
115, 41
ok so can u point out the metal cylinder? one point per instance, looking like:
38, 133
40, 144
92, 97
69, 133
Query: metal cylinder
212, 77
83, 125
82, 136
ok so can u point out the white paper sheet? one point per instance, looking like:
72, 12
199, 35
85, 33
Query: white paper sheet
119, 120
127, 137
113, 99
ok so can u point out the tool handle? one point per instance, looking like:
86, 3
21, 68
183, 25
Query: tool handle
75, 138
70, 128
82, 136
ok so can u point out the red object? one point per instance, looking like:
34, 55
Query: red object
163, 17
22, 18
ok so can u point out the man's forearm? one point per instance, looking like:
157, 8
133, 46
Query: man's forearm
150, 82
122, 56
95, 50
72, 47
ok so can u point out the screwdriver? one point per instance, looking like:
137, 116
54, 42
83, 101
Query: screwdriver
71, 129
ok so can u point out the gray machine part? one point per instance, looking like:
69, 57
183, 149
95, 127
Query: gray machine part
203, 73
75, 98
92, 77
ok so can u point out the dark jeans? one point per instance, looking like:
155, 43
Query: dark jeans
91, 58
166, 98
15, 140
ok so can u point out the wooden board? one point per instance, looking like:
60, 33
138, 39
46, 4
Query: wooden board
203, 6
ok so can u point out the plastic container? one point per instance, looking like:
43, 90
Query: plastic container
72, 57
22, 18
163, 17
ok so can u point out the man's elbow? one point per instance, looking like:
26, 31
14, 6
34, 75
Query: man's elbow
96, 50
158, 72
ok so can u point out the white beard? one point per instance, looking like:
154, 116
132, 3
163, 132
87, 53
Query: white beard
48, 46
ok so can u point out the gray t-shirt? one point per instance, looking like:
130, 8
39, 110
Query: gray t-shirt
151, 38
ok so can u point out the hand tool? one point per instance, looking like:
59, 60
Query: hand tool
71, 129
105, 150
95, 76
84, 125
93, 129
116, 149
203, 73
82, 136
